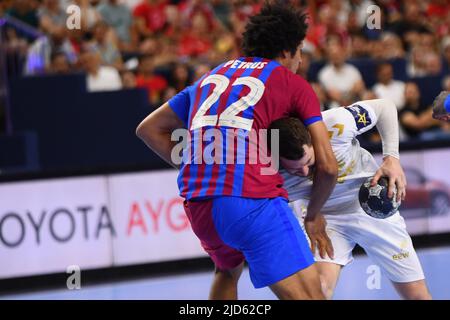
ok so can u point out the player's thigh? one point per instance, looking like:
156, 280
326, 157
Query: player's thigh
388, 244
329, 274
302, 285
226, 259
414, 290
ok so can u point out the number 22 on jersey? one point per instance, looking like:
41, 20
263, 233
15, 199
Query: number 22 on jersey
229, 116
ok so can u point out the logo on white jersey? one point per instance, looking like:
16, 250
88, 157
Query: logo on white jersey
361, 116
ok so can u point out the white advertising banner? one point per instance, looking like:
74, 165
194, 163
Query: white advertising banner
46, 226
150, 219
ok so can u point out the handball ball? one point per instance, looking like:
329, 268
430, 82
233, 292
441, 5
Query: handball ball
375, 201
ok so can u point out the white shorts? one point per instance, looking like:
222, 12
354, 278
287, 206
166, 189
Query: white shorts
385, 241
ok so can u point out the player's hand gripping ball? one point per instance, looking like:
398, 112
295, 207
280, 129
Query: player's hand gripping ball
375, 201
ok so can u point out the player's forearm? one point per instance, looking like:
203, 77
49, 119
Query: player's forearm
326, 169
387, 125
156, 131
323, 185
160, 143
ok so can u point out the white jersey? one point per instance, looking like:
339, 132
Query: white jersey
355, 163
386, 241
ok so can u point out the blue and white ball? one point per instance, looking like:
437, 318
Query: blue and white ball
375, 201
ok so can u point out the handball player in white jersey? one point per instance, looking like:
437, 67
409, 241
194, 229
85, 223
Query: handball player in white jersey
385, 241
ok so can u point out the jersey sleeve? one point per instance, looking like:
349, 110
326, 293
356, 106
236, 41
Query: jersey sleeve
180, 104
304, 101
345, 123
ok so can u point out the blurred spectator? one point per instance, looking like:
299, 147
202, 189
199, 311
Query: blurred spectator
14, 42
359, 45
320, 92
222, 10
359, 7
387, 87
416, 63
392, 46
342, 81
438, 16
89, 15
323, 23
189, 9
446, 53
412, 22
169, 93
146, 78
305, 64
180, 77
128, 80
241, 11
446, 83
414, 118
103, 43
150, 16
174, 22
225, 46
433, 64
200, 70
368, 95
51, 16
196, 41
40, 52
428, 42
59, 64
119, 17
24, 11
99, 78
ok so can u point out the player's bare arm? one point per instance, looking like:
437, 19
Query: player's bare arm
325, 176
156, 130
387, 126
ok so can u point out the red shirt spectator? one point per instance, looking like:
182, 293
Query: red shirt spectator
196, 41
193, 45
153, 12
146, 78
154, 84
188, 9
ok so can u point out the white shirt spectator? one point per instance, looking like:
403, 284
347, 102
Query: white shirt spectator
106, 79
342, 79
394, 91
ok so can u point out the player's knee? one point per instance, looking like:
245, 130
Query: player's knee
229, 275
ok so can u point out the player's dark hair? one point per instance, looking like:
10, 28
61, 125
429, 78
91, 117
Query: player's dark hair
278, 27
293, 135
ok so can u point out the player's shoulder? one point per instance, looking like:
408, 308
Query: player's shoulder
357, 117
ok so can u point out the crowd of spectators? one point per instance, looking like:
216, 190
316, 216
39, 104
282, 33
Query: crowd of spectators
165, 45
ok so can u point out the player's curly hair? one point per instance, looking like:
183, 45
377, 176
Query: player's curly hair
293, 135
278, 27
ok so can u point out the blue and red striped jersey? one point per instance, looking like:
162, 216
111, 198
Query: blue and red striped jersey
236, 98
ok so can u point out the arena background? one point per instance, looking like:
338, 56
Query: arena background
77, 188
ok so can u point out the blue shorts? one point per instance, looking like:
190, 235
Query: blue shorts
267, 232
